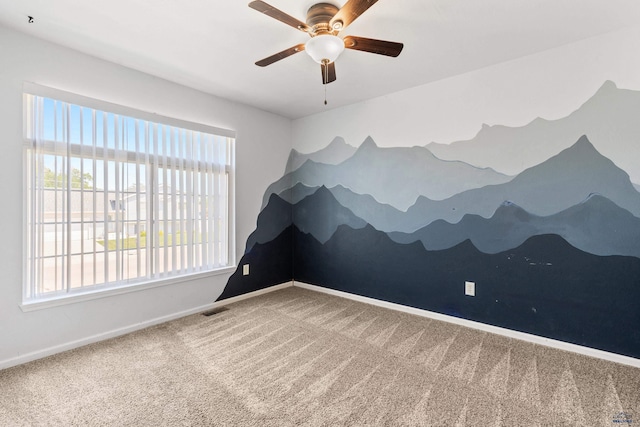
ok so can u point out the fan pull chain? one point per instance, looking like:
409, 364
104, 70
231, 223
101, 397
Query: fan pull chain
325, 64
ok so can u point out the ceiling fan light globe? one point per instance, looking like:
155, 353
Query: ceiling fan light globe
324, 48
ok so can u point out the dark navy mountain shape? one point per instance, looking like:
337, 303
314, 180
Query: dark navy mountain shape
270, 264
597, 226
548, 188
396, 176
609, 118
319, 214
336, 152
544, 287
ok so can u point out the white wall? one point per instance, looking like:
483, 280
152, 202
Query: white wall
262, 147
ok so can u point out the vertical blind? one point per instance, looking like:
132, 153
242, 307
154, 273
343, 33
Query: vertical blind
115, 200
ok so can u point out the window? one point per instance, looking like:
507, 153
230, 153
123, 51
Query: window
116, 197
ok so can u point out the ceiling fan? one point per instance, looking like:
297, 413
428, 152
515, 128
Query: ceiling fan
324, 22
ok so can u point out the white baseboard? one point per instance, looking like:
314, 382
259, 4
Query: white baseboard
560, 345
39, 354
231, 300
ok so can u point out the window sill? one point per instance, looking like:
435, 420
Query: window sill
73, 298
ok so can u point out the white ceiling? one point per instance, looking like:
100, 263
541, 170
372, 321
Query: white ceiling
211, 45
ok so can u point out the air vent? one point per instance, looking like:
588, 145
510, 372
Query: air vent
214, 311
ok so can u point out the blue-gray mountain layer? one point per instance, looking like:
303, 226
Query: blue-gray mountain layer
381, 216
318, 214
397, 176
336, 152
297, 192
597, 226
557, 184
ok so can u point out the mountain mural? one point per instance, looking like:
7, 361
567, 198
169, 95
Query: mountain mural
556, 184
318, 214
609, 118
297, 193
597, 226
396, 176
554, 246
563, 181
382, 216
336, 152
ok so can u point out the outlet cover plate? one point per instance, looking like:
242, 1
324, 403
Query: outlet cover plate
470, 288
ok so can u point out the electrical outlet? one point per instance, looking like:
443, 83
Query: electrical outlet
470, 288
245, 270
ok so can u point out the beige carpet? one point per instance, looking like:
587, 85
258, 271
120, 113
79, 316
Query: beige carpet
296, 357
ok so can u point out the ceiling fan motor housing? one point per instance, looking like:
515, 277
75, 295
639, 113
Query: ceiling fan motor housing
318, 17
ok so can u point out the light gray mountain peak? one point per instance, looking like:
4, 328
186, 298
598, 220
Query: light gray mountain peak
609, 118
336, 152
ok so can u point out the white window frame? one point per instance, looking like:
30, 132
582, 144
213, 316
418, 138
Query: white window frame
92, 291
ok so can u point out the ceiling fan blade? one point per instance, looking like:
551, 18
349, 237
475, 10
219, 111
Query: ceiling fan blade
329, 75
381, 47
280, 55
271, 11
350, 12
